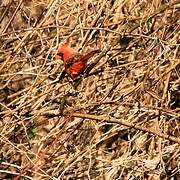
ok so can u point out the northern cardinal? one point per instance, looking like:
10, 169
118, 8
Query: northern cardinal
74, 62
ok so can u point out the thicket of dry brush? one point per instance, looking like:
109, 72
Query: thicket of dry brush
120, 121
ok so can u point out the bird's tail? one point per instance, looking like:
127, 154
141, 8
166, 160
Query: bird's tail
90, 54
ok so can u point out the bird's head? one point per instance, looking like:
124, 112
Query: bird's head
64, 52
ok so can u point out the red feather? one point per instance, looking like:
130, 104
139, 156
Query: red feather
75, 63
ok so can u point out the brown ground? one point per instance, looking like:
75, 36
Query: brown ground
121, 120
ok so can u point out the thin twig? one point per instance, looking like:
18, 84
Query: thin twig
14, 14
125, 123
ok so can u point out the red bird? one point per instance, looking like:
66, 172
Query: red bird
74, 62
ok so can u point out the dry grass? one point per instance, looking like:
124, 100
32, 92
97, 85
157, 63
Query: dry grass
121, 121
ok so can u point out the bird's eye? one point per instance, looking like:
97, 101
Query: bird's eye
60, 54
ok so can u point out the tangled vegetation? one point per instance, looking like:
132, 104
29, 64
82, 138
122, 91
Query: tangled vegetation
119, 120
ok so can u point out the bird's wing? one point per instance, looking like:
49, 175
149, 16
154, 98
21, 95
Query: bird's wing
73, 59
